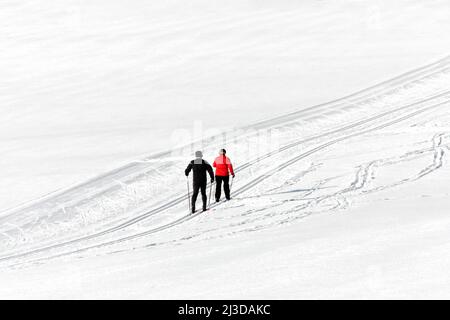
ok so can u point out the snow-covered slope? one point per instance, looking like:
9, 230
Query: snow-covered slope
339, 199
88, 86
377, 158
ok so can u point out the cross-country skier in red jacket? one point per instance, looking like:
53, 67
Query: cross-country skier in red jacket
223, 170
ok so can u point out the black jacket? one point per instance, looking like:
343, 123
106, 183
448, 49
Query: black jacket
199, 167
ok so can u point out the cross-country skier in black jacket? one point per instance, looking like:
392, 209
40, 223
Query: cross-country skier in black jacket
199, 167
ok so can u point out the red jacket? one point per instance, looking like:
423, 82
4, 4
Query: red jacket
222, 165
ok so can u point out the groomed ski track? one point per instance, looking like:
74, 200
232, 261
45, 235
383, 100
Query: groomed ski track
353, 129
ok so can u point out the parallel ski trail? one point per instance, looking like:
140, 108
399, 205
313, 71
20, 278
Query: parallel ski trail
241, 190
134, 170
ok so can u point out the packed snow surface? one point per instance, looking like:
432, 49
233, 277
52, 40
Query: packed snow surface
88, 86
104, 105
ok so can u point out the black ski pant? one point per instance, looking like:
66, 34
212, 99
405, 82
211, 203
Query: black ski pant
197, 187
226, 187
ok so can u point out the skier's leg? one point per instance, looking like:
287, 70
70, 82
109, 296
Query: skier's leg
226, 187
194, 195
204, 197
218, 187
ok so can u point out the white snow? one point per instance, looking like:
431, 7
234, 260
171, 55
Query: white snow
344, 200
90, 85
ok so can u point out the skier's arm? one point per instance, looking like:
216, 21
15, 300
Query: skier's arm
188, 169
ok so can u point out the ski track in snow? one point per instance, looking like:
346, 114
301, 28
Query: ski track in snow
26, 231
363, 176
131, 171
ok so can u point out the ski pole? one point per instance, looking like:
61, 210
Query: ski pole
210, 190
231, 184
189, 193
